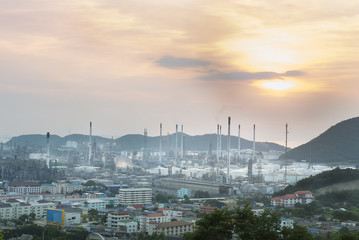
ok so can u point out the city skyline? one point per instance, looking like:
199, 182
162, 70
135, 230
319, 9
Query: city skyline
130, 65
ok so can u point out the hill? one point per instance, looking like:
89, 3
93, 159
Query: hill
340, 143
134, 142
324, 180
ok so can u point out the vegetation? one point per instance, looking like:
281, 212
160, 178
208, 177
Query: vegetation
50, 233
201, 194
154, 236
242, 223
338, 144
345, 198
323, 179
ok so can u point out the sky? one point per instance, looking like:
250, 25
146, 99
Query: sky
130, 65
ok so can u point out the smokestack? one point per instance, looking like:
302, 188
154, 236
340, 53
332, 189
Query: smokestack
48, 149
220, 141
90, 145
176, 148
228, 148
181, 141
217, 143
160, 142
239, 141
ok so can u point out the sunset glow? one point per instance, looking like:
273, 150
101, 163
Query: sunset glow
277, 85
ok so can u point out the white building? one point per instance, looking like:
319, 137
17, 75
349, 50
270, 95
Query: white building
61, 188
72, 216
173, 214
145, 220
172, 229
24, 187
113, 218
13, 209
95, 203
286, 222
289, 200
131, 196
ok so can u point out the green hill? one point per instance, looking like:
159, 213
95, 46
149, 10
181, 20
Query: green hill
323, 179
340, 143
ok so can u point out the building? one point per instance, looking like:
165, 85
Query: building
61, 188
171, 229
145, 220
24, 187
289, 200
206, 209
126, 226
113, 218
94, 203
173, 214
182, 192
72, 216
131, 196
286, 222
13, 209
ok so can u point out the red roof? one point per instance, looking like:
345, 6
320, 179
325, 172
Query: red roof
289, 196
137, 206
161, 209
155, 215
276, 198
303, 192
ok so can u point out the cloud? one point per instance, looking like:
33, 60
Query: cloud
172, 62
247, 76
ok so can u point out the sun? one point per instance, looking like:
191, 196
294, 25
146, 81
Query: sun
277, 85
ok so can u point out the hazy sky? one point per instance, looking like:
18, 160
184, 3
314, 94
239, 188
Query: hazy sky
129, 65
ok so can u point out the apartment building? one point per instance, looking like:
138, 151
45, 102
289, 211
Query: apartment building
171, 229
130, 196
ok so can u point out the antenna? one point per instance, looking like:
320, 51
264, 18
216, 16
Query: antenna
228, 148
176, 148
181, 141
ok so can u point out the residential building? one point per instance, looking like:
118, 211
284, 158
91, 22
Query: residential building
113, 218
145, 220
172, 213
289, 200
171, 229
21, 187
182, 192
286, 222
206, 209
61, 188
94, 203
130, 196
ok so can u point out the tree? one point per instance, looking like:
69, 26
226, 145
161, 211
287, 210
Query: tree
297, 233
201, 194
217, 225
161, 198
214, 203
93, 212
244, 224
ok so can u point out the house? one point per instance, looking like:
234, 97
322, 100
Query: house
289, 200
